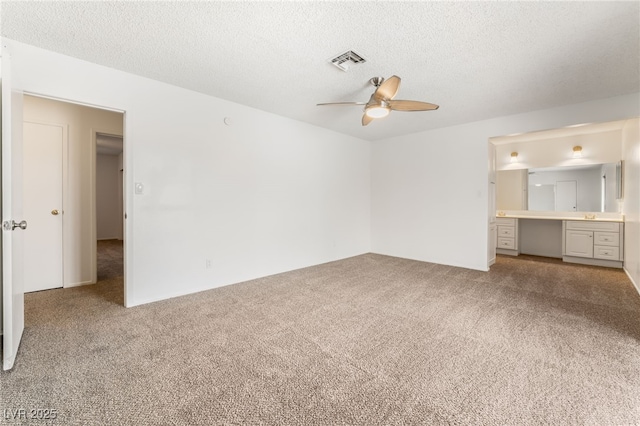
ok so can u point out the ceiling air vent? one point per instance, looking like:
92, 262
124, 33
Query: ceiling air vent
345, 60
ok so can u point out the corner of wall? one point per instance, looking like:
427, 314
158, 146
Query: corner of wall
631, 197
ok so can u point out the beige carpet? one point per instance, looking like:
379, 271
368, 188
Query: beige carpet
368, 340
110, 260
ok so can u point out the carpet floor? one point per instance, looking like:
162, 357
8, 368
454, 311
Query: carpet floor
368, 340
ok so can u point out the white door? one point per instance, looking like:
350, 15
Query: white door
12, 236
579, 243
566, 196
42, 194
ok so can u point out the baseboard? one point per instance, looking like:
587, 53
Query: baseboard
79, 284
635, 284
593, 262
109, 238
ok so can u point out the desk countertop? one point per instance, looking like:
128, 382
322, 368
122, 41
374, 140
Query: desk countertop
594, 217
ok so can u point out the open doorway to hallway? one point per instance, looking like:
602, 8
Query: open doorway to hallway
92, 143
109, 207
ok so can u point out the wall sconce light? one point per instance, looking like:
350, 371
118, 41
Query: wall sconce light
514, 157
577, 151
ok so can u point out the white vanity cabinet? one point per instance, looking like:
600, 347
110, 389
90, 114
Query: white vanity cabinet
507, 236
593, 242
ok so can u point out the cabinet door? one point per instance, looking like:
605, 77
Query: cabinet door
579, 243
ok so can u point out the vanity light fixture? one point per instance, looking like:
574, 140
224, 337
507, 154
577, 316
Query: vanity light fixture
514, 157
577, 151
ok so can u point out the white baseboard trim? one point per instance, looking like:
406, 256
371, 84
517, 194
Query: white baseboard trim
635, 284
592, 261
79, 284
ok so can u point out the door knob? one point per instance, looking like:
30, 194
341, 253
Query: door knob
10, 225
54, 212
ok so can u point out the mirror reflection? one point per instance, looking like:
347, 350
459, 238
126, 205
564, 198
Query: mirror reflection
584, 188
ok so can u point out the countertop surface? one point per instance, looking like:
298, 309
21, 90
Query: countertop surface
581, 216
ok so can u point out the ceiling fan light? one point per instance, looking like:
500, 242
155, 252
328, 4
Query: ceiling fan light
377, 111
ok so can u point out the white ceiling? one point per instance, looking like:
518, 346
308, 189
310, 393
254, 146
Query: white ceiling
477, 60
575, 130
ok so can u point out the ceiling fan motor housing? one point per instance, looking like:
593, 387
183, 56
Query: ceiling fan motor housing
376, 81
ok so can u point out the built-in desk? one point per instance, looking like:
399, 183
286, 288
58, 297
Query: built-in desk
592, 238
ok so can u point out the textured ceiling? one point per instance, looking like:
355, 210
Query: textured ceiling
477, 60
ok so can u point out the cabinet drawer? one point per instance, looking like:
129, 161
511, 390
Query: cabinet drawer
606, 239
593, 226
506, 231
505, 221
606, 252
506, 243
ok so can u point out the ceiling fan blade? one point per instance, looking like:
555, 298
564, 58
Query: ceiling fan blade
387, 89
342, 103
366, 119
412, 106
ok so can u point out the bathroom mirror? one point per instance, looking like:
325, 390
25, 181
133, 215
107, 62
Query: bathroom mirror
585, 188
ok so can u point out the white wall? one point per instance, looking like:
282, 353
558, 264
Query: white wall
269, 194
108, 213
429, 189
80, 122
631, 200
262, 196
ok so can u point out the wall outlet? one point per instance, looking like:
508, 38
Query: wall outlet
207, 264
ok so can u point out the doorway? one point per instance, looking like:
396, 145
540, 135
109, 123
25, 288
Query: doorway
82, 127
109, 208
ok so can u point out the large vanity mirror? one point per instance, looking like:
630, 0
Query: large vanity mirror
573, 169
582, 188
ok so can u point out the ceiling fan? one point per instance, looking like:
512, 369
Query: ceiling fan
382, 102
